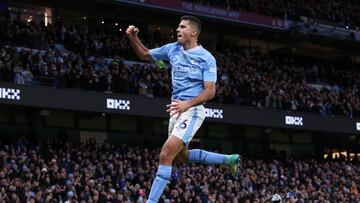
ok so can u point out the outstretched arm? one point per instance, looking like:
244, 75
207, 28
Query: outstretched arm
141, 51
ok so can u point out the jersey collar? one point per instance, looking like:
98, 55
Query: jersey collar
190, 50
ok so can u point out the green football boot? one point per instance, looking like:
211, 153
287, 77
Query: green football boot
234, 160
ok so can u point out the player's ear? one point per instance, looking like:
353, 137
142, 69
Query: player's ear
194, 33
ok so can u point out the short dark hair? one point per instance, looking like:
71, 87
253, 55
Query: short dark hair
194, 20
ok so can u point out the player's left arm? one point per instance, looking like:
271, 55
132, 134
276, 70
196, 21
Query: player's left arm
209, 78
178, 106
207, 94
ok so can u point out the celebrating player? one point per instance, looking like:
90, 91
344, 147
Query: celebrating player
193, 71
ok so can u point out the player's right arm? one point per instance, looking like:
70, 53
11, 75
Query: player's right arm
141, 51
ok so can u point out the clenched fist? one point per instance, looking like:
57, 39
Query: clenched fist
132, 31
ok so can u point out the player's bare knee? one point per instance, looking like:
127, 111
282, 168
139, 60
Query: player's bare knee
165, 157
181, 160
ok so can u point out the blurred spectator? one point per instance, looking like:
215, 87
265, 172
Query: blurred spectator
245, 75
50, 172
342, 12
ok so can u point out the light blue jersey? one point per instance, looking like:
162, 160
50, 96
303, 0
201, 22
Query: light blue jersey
189, 69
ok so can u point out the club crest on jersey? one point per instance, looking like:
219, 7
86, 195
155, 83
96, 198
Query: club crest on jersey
175, 59
194, 62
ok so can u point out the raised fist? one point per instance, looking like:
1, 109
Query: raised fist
132, 31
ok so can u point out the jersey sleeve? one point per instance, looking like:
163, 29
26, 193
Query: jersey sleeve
161, 53
210, 73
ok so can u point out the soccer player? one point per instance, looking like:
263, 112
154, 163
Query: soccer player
193, 71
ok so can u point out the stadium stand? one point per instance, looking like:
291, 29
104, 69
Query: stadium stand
95, 61
90, 57
54, 171
341, 13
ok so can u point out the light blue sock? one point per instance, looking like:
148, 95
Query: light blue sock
162, 177
205, 157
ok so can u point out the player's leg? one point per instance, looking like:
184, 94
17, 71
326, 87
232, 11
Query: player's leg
170, 149
182, 156
180, 132
194, 119
206, 157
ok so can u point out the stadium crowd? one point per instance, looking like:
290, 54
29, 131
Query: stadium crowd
93, 59
78, 56
54, 171
342, 13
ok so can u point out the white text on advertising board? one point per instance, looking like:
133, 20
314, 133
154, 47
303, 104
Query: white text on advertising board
9, 93
294, 120
214, 113
118, 104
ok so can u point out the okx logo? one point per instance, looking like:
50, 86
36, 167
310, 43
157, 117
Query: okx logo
9, 93
294, 120
118, 104
214, 113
